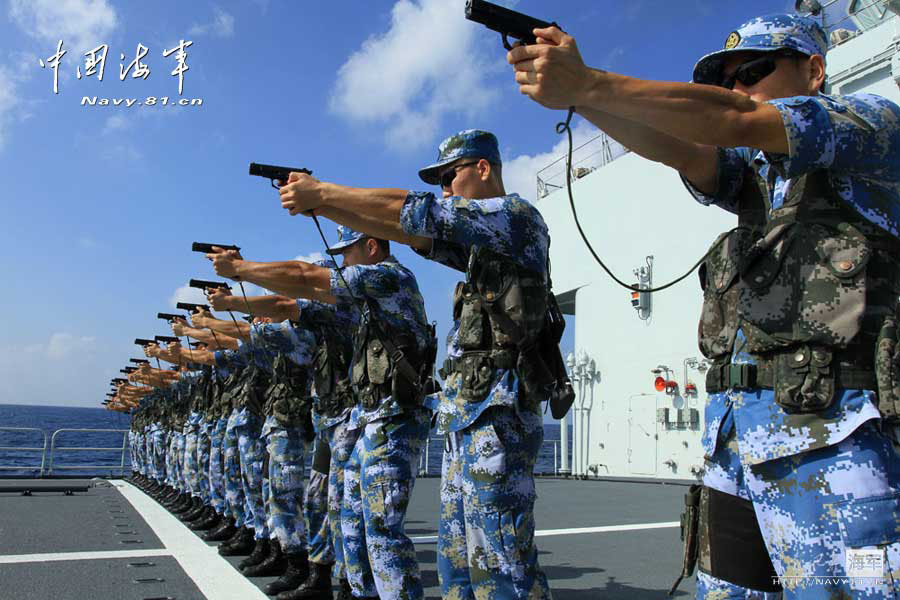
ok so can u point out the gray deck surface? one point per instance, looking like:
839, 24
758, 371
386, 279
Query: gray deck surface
49, 522
616, 565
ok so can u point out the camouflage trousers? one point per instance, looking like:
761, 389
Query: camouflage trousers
253, 454
191, 466
203, 449
180, 480
284, 492
315, 511
231, 469
816, 510
216, 476
378, 481
486, 546
158, 444
342, 439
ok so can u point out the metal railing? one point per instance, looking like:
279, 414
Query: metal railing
586, 158
42, 450
120, 467
46, 467
425, 456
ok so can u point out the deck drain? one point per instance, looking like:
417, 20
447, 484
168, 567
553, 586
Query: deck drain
142, 564
149, 580
117, 517
160, 598
126, 532
131, 541
117, 511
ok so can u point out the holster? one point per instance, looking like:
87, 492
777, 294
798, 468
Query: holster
690, 521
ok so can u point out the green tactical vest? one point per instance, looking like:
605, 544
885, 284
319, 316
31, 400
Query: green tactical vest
810, 291
501, 309
331, 378
287, 397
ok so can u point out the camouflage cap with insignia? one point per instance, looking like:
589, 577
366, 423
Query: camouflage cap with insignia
764, 34
346, 237
471, 143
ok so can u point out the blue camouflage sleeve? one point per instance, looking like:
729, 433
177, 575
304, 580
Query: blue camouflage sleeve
358, 281
507, 225
729, 180
856, 134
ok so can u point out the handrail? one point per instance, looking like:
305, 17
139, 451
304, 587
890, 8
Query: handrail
122, 449
43, 449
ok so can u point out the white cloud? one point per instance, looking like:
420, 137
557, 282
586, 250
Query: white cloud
222, 25
8, 100
81, 24
87, 242
310, 258
115, 123
61, 346
425, 66
187, 294
519, 174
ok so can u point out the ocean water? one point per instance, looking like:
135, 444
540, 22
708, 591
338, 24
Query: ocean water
50, 419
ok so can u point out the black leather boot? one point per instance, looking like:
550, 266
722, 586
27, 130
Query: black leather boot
344, 592
189, 504
198, 512
259, 554
209, 522
316, 587
223, 532
274, 564
241, 545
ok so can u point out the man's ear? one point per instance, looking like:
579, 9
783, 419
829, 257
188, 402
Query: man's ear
816, 66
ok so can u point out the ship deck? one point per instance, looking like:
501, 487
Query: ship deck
596, 539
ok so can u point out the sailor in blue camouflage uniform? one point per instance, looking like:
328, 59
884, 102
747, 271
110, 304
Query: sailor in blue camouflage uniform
286, 432
232, 468
799, 306
489, 409
332, 325
390, 422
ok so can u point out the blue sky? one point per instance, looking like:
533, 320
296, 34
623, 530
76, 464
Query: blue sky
100, 204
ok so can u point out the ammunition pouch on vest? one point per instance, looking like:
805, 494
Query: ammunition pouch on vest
887, 371
809, 291
251, 390
287, 398
508, 319
231, 388
389, 364
334, 393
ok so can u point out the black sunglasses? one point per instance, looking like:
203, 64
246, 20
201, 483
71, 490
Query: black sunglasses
449, 175
755, 70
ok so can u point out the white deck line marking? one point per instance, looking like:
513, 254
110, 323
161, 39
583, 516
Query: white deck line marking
57, 556
430, 539
215, 577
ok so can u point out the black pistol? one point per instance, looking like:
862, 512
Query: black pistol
167, 339
208, 248
508, 23
119, 380
139, 361
143, 342
191, 307
128, 370
208, 285
168, 317
273, 173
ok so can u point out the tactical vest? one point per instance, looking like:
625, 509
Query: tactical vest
388, 363
231, 389
502, 310
252, 390
811, 290
287, 397
331, 378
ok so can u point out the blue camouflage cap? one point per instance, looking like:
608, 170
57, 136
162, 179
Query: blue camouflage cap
764, 34
346, 237
471, 143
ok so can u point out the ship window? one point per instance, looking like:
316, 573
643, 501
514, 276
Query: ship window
871, 13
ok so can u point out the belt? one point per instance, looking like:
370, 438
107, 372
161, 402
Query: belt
761, 375
501, 359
